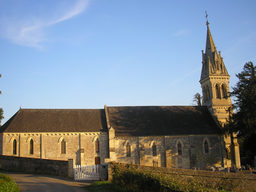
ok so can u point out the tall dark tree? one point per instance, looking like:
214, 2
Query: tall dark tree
243, 119
1, 115
1, 110
244, 116
197, 98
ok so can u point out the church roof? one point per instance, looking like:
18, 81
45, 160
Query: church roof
127, 121
56, 120
212, 61
162, 120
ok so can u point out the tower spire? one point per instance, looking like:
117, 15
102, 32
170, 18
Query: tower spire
212, 61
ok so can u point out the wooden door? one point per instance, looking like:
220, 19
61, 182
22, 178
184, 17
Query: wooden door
97, 160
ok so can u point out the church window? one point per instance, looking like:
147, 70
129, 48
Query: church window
31, 147
224, 91
217, 89
179, 149
63, 147
14, 147
128, 150
154, 149
206, 147
97, 146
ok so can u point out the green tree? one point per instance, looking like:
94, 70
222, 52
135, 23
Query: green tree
197, 98
1, 115
243, 119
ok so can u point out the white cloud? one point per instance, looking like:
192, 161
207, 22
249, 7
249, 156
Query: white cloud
31, 31
245, 41
180, 32
185, 76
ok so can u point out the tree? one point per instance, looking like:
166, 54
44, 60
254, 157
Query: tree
243, 119
1, 115
197, 98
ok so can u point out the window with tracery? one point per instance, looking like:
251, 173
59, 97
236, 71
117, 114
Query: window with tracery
154, 149
128, 150
224, 91
217, 90
14, 147
179, 149
31, 147
63, 147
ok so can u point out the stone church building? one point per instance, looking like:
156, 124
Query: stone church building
162, 136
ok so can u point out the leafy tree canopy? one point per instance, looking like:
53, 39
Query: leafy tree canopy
243, 120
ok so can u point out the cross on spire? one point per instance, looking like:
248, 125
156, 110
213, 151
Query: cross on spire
206, 16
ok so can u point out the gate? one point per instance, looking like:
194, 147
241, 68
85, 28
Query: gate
87, 172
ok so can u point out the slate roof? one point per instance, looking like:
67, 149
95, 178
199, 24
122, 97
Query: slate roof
56, 120
162, 120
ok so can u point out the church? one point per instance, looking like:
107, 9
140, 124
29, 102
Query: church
162, 136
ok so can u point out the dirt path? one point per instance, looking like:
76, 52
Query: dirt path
42, 183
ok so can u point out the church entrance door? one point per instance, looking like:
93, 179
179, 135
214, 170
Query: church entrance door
97, 160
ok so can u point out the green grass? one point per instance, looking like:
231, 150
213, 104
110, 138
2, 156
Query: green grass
104, 186
7, 184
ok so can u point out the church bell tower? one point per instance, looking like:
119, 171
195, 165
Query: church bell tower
214, 81
215, 88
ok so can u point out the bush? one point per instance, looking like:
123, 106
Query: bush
7, 184
135, 178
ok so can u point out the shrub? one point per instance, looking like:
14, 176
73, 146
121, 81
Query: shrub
135, 178
7, 184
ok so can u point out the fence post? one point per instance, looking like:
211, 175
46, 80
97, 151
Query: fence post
70, 168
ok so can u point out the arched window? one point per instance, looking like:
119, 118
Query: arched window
217, 90
206, 147
224, 91
14, 147
128, 150
154, 149
97, 146
179, 149
31, 147
63, 147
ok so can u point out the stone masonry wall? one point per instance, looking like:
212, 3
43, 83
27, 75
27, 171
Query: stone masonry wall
30, 165
192, 152
79, 146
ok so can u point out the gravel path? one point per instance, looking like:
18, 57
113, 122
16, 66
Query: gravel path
42, 183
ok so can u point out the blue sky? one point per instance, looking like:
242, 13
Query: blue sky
87, 54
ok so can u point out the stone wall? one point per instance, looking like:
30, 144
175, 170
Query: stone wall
38, 166
192, 151
79, 146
